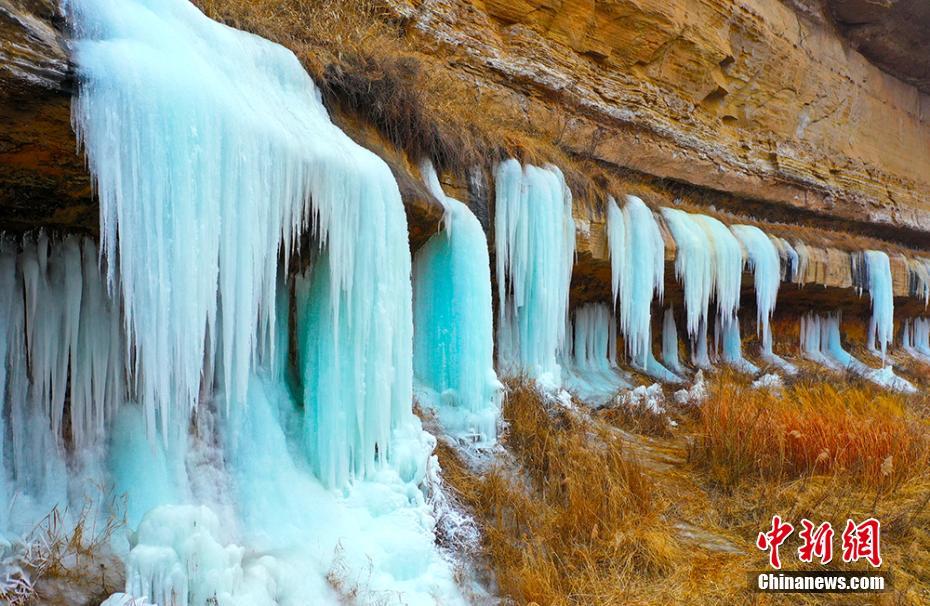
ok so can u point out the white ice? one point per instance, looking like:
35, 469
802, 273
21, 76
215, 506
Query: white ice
535, 246
590, 356
637, 261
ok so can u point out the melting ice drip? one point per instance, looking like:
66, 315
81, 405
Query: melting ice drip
535, 243
709, 262
637, 261
764, 260
453, 323
212, 154
590, 356
821, 343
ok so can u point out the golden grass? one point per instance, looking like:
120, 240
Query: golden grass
845, 428
60, 562
575, 517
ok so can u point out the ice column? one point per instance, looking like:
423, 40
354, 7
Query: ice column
879, 283
821, 343
637, 261
535, 243
453, 323
670, 343
763, 260
592, 372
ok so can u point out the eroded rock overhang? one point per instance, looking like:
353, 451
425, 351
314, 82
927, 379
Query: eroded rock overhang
763, 117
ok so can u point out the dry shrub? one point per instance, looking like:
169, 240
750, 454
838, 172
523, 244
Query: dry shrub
576, 520
845, 428
58, 563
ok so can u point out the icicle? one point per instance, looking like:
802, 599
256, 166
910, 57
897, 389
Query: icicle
879, 282
763, 261
803, 254
591, 371
919, 279
535, 242
822, 344
709, 263
915, 338
694, 267
637, 259
670, 343
453, 323
790, 261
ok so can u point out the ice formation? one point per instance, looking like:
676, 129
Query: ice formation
212, 156
670, 343
453, 323
709, 262
915, 338
764, 260
879, 284
637, 261
649, 398
58, 333
590, 358
790, 262
919, 279
821, 343
535, 243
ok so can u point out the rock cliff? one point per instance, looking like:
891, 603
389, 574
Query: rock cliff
761, 111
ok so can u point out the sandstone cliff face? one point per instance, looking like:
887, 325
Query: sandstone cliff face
42, 179
756, 111
750, 98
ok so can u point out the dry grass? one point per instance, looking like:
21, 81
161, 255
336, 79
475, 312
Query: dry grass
576, 518
847, 428
58, 563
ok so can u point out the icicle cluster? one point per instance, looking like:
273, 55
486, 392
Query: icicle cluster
591, 355
915, 338
212, 156
61, 346
821, 343
918, 271
453, 323
535, 244
709, 263
764, 260
637, 261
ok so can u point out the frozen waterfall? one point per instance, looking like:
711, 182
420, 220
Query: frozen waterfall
535, 243
454, 325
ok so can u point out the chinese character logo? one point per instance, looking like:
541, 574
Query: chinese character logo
816, 542
770, 541
862, 542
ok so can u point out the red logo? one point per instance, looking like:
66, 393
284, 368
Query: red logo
772, 540
816, 542
862, 541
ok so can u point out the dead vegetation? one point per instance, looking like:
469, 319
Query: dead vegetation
586, 514
62, 562
811, 427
